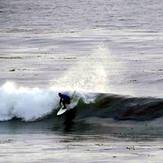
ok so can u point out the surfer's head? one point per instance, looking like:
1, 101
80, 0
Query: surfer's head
59, 94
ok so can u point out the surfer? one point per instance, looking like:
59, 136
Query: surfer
64, 100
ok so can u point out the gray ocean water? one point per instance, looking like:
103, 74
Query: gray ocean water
41, 40
112, 46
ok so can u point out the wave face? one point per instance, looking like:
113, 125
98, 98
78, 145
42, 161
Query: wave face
32, 104
122, 107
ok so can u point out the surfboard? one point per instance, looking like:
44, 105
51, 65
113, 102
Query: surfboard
68, 107
61, 111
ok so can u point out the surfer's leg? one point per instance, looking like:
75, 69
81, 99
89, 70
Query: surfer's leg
64, 104
68, 102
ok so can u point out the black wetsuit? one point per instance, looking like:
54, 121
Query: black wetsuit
64, 99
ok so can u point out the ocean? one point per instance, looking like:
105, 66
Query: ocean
107, 54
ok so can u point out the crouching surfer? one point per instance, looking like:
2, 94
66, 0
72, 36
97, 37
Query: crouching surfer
65, 106
64, 100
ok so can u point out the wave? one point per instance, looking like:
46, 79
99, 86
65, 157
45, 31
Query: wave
122, 107
32, 104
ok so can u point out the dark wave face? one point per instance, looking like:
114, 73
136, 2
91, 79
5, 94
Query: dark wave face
120, 108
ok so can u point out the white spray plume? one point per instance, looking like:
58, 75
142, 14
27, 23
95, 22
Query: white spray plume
88, 74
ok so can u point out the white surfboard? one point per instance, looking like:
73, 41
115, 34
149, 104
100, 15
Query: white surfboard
68, 107
61, 111
74, 101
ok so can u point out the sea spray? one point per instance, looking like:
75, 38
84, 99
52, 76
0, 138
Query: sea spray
87, 74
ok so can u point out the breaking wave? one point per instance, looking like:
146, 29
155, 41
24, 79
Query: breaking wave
32, 104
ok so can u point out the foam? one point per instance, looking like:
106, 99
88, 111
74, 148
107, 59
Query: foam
25, 103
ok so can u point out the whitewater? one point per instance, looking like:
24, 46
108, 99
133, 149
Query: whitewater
31, 104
